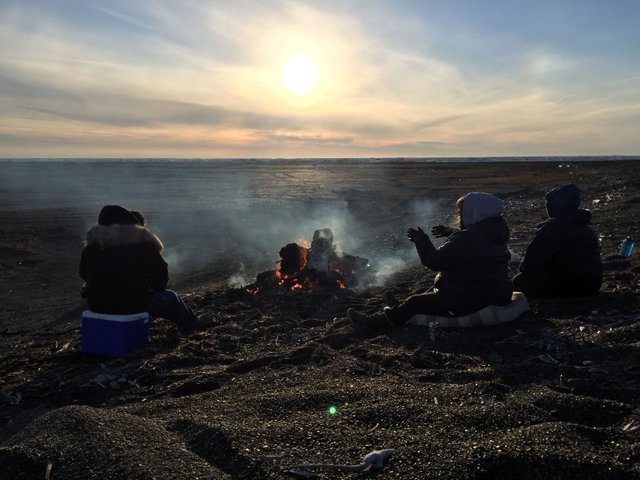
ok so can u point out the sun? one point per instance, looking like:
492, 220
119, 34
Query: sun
300, 74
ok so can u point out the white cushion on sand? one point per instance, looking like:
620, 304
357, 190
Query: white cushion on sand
488, 316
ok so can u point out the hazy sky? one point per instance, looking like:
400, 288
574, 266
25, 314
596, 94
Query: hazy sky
156, 78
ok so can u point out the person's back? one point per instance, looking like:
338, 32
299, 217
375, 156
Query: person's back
473, 262
563, 259
472, 266
121, 264
124, 271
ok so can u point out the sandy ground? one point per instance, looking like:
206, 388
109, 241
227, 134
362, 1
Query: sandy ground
554, 395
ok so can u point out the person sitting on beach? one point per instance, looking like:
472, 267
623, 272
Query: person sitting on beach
124, 271
472, 265
563, 259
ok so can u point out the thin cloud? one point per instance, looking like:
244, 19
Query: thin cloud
311, 139
418, 76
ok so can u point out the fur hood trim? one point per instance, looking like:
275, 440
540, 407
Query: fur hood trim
116, 235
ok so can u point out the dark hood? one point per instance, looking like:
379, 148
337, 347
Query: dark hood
563, 200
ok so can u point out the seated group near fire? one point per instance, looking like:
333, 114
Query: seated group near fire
473, 264
125, 273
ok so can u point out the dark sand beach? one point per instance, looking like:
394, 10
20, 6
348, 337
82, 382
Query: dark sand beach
553, 395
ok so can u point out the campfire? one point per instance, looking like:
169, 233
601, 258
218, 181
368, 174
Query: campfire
316, 268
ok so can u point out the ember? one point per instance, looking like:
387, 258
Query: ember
315, 268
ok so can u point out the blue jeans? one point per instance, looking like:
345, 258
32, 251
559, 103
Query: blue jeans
169, 305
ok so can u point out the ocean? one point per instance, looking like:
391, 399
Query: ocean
242, 210
247, 209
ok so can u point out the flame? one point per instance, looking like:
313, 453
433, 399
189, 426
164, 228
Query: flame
304, 254
252, 291
303, 242
308, 280
284, 278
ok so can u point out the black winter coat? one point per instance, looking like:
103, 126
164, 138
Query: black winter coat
123, 268
473, 266
564, 249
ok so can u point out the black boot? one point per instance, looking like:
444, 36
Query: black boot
390, 299
197, 324
374, 320
394, 317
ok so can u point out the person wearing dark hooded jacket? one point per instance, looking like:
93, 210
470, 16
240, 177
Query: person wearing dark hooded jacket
124, 270
472, 266
563, 259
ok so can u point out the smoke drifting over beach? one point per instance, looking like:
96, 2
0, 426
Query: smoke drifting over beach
253, 236
234, 218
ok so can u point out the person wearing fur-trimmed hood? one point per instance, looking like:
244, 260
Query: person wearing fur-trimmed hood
472, 266
124, 270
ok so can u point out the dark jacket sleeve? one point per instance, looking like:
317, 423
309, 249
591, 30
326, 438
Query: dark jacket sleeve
156, 268
450, 255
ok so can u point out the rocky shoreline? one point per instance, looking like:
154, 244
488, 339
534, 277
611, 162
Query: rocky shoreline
553, 395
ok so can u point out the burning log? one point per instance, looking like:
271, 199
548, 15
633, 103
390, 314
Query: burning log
321, 249
293, 258
318, 268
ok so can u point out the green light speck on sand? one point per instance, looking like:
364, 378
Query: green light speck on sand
332, 410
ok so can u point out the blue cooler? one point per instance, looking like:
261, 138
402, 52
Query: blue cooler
113, 335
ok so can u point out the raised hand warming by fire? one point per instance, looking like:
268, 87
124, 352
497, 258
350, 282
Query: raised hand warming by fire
440, 231
417, 236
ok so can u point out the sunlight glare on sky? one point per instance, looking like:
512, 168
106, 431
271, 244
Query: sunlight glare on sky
300, 74
113, 78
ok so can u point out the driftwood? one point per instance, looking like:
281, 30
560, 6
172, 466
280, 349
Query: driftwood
293, 258
374, 461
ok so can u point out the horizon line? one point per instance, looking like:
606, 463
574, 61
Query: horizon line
407, 158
